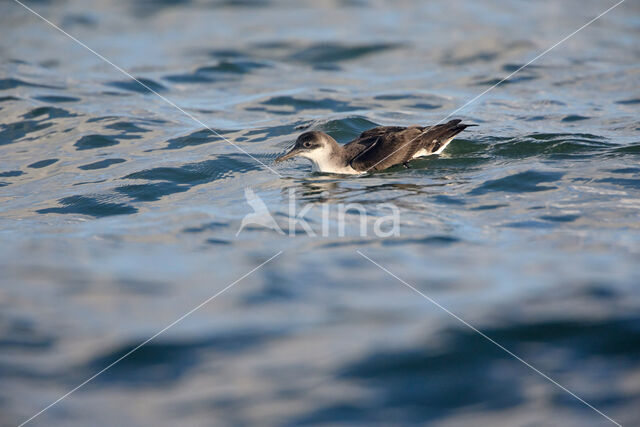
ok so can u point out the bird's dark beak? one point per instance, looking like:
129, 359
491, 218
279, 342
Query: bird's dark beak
292, 153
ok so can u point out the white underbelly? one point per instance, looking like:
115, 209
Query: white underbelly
324, 168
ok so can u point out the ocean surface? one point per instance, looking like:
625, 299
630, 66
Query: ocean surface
119, 214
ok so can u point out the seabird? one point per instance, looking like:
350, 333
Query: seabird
374, 150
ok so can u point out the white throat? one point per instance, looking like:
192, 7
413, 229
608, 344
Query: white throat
323, 161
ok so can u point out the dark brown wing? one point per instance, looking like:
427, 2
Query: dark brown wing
387, 148
391, 145
380, 130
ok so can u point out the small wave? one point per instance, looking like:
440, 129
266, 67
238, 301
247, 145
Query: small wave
198, 173
574, 118
128, 127
234, 67
13, 132
548, 144
199, 137
297, 104
12, 83
167, 360
138, 85
42, 163
55, 99
425, 106
102, 164
96, 206
8, 98
523, 182
633, 148
89, 142
49, 112
337, 52
9, 174
151, 192
632, 101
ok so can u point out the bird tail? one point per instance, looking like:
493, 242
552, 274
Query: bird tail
451, 128
444, 133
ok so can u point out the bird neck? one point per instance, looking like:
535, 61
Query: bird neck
335, 150
331, 159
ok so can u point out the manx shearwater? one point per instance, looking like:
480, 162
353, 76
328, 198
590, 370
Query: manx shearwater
374, 150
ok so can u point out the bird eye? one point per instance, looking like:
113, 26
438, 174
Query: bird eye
307, 144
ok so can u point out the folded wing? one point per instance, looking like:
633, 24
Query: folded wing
387, 146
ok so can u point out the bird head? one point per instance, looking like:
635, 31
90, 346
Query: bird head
311, 145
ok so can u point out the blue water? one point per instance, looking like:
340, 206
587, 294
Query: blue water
119, 214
